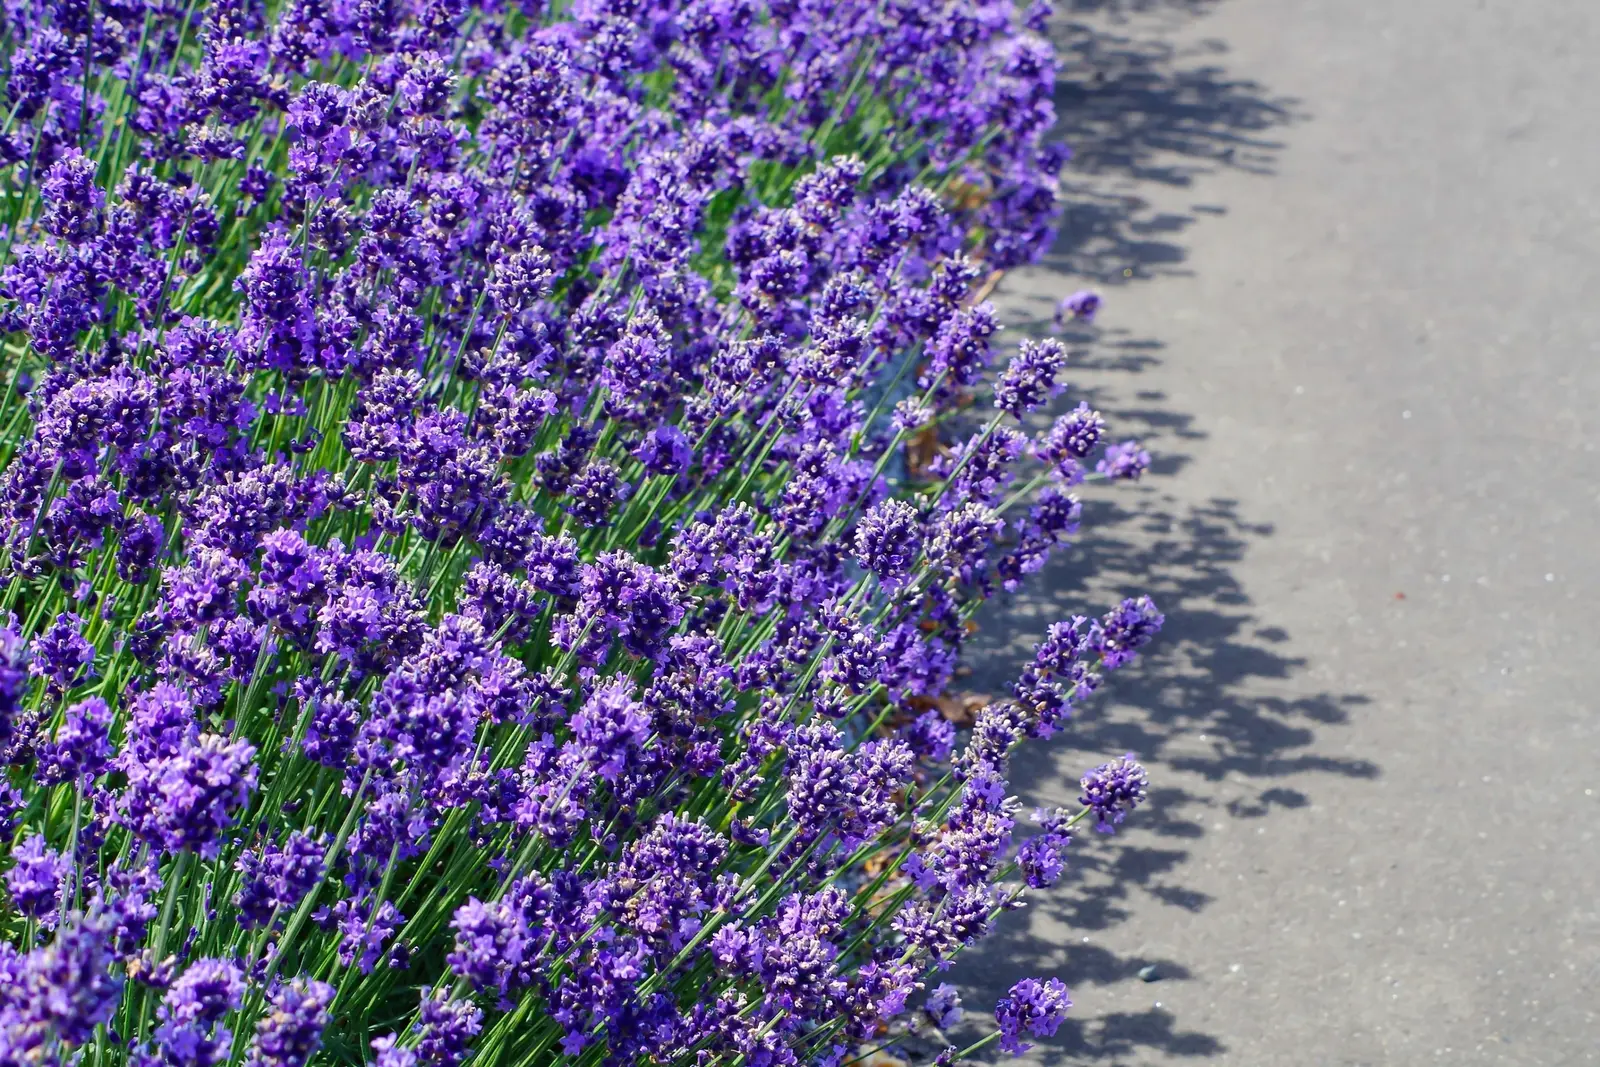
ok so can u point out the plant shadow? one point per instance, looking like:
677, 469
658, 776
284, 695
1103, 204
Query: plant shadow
1146, 115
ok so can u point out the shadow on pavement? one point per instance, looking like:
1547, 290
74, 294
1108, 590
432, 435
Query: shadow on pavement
1140, 113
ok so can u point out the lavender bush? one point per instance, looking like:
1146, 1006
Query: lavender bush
462, 603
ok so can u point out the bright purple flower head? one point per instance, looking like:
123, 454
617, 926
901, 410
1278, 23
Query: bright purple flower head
1114, 789
290, 1033
81, 747
1030, 378
959, 352
943, 1006
490, 942
13, 675
35, 881
911, 415
186, 800
666, 450
597, 488
61, 653
610, 727
426, 85
1042, 858
447, 1024
931, 736
1125, 629
143, 538
889, 540
520, 279
1126, 461
189, 1013
1073, 437
277, 327
1063, 645
71, 985
1032, 1007
1080, 305
275, 879
73, 203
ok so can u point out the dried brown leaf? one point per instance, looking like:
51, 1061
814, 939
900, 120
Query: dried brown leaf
959, 708
922, 449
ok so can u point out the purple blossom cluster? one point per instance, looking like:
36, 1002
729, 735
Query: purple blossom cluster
1031, 1008
455, 604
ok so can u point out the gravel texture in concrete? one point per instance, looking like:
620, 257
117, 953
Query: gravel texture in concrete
1350, 251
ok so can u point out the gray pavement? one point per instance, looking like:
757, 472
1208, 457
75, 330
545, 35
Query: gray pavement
1350, 251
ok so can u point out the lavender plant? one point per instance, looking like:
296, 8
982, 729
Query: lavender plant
459, 605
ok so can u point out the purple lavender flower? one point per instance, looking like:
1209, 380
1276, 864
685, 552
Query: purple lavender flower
1063, 646
1125, 461
331, 731
278, 328
669, 878
1080, 305
961, 540
185, 800
960, 352
621, 596
798, 947
1072, 437
978, 468
666, 450
1048, 705
888, 541
446, 1027
188, 1031
143, 539
1030, 378
959, 919
61, 653
996, 730
389, 1053
275, 879
36, 879
490, 943
930, 736
911, 415
74, 202
81, 748
13, 677
943, 1006
520, 279
380, 421
426, 84
70, 986
365, 928
1125, 629
1049, 522
610, 727
595, 491
1042, 857
1031, 1007
517, 274
1114, 789
290, 1033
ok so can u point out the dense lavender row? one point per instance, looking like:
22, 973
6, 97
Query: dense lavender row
459, 604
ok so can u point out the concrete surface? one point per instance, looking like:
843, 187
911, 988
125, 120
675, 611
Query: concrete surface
1350, 251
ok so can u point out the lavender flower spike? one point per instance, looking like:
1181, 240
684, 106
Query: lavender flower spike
1114, 789
1033, 1008
1080, 305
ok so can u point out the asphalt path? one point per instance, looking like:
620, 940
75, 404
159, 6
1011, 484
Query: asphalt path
1350, 255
